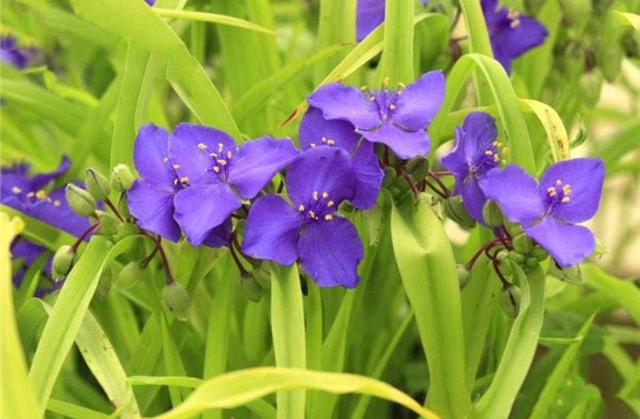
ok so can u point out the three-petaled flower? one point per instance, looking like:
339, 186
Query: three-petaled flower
394, 117
568, 193
476, 152
511, 33
308, 229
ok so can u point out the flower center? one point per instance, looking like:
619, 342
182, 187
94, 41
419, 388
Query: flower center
37, 196
514, 18
385, 99
492, 157
319, 207
558, 193
325, 141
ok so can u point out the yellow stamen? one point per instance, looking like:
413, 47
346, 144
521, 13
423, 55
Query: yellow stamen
165, 160
386, 81
313, 145
202, 146
372, 98
214, 155
331, 142
301, 208
316, 195
41, 194
16, 190
30, 194
328, 217
565, 199
220, 147
221, 162
558, 182
216, 169
312, 214
229, 154
176, 166
56, 203
496, 158
184, 179
325, 194
324, 140
392, 107
364, 88
489, 153
330, 204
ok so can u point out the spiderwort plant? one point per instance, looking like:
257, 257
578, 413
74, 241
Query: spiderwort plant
477, 151
369, 15
12, 53
510, 32
568, 193
307, 228
396, 118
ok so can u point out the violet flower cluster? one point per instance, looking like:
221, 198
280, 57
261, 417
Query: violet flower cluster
511, 33
14, 54
32, 195
548, 210
192, 181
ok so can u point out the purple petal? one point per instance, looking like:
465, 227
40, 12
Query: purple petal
319, 170
150, 155
516, 192
585, 176
368, 176
219, 236
26, 250
511, 38
455, 160
405, 144
314, 128
57, 212
477, 136
472, 197
369, 14
272, 230
257, 161
420, 101
200, 209
190, 151
153, 207
41, 180
346, 103
567, 244
330, 252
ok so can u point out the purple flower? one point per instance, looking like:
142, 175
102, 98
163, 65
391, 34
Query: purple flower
396, 118
308, 229
151, 199
511, 33
370, 14
568, 193
13, 54
476, 152
150, 2
315, 131
27, 252
28, 195
220, 175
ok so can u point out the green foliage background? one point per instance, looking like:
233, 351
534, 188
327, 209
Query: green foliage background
246, 66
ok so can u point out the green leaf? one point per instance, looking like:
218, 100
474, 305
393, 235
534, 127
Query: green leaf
427, 269
559, 374
141, 26
237, 388
625, 293
39, 231
397, 56
71, 410
16, 393
69, 312
518, 354
515, 127
476, 27
287, 328
213, 18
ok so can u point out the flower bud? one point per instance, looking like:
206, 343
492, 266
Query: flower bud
539, 253
456, 211
62, 262
463, 274
251, 287
130, 275
492, 214
504, 262
177, 300
417, 167
531, 262
108, 223
126, 230
80, 201
97, 184
510, 301
389, 176
517, 257
512, 229
121, 178
522, 244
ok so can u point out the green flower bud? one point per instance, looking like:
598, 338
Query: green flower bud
510, 301
389, 176
130, 275
105, 281
80, 201
123, 207
251, 287
177, 300
463, 274
455, 210
522, 244
531, 262
539, 253
504, 262
108, 223
262, 276
122, 178
513, 229
126, 230
492, 214
517, 257
417, 167
97, 184
62, 262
